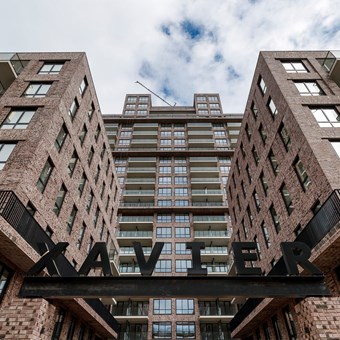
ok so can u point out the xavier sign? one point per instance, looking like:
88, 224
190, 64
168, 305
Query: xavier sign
248, 280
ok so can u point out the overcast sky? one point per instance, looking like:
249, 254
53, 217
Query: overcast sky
174, 47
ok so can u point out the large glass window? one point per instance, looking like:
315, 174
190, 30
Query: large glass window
5, 151
163, 232
37, 90
272, 107
181, 191
163, 266
326, 116
73, 108
294, 67
164, 191
162, 306
181, 180
60, 199
164, 180
72, 164
262, 85
164, 218
287, 199
51, 68
59, 142
18, 119
185, 330
44, 176
302, 174
184, 306
182, 232
181, 249
182, 218
5, 275
71, 219
161, 330
183, 265
309, 88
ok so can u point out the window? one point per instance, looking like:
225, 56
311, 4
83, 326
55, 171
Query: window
182, 218
262, 85
60, 199
167, 250
51, 68
290, 326
264, 183
294, 67
37, 90
179, 134
91, 111
202, 112
181, 191
287, 199
165, 133
95, 217
184, 306
82, 134
165, 141
202, 106
179, 141
44, 176
143, 99
248, 132
96, 176
131, 99
181, 249
162, 306
215, 112
276, 326
164, 192
185, 330
164, 218
258, 247
58, 325
5, 276
165, 169
18, 119
219, 133
72, 164
256, 201
83, 86
89, 201
272, 107
250, 216
181, 180
254, 110
97, 133
71, 219
201, 99
266, 331
180, 169
182, 232
245, 229
265, 233
30, 208
163, 232
161, 330
81, 236
262, 133
181, 203
308, 88
302, 174
182, 266
316, 207
326, 116
163, 266
213, 99
221, 141
255, 155
284, 137
214, 106
164, 203
124, 142
275, 219
273, 162
248, 173
71, 328
120, 169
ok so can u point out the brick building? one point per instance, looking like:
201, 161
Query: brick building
57, 183
284, 186
173, 164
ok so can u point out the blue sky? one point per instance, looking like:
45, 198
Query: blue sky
174, 47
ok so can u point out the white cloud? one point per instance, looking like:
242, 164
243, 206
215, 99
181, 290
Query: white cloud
119, 36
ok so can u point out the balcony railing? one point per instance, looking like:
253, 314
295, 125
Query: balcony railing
219, 267
141, 180
15, 214
217, 310
131, 250
130, 311
141, 169
203, 159
208, 204
139, 192
206, 192
203, 169
137, 204
205, 180
212, 233
129, 269
215, 250
136, 219
142, 159
135, 234
133, 335
199, 218
317, 228
17, 64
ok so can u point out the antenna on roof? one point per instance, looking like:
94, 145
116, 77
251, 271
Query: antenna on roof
154, 93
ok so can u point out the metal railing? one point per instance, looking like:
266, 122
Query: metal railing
205, 180
203, 169
217, 310
203, 159
137, 204
220, 267
142, 159
130, 311
208, 204
139, 192
136, 234
131, 250
131, 169
136, 219
215, 250
206, 192
133, 336
16, 214
141, 180
207, 218
212, 233
317, 228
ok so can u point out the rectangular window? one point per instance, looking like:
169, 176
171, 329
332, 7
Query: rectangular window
58, 324
309, 88
181, 180
180, 169
163, 232
185, 330
164, 180
18, 119
183, 265
161, 306
161, 330
37, 90
44, 176
89, 201
272, 107
255, 155
72, 164
265, 233
82, 183
163, 266
60, 199
181, 203
185, 306
81, 235
90, 156
181, 191
182, 218
262, 133
182, 232
5, 276
73, 108
164, 203
286, 198
284, 137
165, 169
262, 85
181, 249
275, 218
164, 191
59, 142
51, 68
273, 162
71, 219
290, 326
264, 183
131, 99
83, 86
294, 67
276, 326
302, 174
82, 134
5, 151
326, 116
167, 250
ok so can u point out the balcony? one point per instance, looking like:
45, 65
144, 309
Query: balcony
199, 126
129, 268
199, 161
136, 204
209, 218
114, 260
214, 253
131, 311
208, 204
127, 254
146, 134
134, 234
201, 194
207, 180
145, 126
16, 215
332, 64
139, 193
214, 311
216, 237
141, 170
136, 219
142, 160
140, 180
10, 67
216, 268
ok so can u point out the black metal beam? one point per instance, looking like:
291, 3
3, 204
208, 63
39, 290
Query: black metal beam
174, 286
